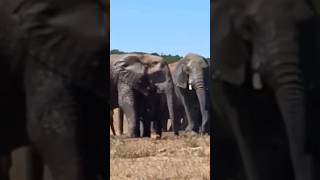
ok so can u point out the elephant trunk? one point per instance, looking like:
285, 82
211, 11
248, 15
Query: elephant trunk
171, 98
197, 79
199, 87
203, 107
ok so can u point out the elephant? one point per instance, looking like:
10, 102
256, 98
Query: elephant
137, 83
55, 89
191, 79
258, 89
163, 111
178, 106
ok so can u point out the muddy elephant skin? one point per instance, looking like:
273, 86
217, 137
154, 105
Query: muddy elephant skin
137, 83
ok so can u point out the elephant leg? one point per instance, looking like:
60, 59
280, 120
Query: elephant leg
184, 122
227, 161
146, 132
5, 165
158, 124
164, 115
190, 112
35, 169
54, 135
156, 115
120, 119
204, 108
111, 123
152, 127
164, 122
231, 129
289, 92
147, 115
128, 103
56, 124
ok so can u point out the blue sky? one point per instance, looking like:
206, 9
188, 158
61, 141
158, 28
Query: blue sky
161, 26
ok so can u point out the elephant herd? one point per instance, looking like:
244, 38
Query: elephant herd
149, 92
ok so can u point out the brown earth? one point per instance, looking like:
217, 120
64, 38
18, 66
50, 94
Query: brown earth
174, 158
182, 157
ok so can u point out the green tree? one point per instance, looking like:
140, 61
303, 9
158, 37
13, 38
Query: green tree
116, 51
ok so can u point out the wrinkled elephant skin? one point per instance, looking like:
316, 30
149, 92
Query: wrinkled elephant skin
258, 86
56, 84
191, 76
137, 83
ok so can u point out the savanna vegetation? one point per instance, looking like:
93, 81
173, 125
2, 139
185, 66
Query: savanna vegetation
167, 57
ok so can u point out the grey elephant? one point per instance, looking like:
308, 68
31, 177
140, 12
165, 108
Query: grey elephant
163, 112
55, 90
191, 79
137, 83
179, 110
259, 90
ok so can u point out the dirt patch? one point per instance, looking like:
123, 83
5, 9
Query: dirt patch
183, 157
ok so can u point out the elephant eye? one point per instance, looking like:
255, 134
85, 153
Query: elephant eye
187, 69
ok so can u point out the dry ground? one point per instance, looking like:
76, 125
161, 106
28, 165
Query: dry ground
172, 158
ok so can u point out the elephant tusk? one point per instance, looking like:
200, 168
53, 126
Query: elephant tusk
189, 85
256, 81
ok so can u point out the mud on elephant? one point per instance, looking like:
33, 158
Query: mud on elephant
137, 83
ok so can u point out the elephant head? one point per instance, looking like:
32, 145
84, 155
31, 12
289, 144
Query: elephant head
249, 29
131, 71
147, 74
191, 72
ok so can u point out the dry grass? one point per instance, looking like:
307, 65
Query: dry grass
182, 157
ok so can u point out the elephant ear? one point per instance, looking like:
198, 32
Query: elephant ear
131, 71
204, 63
180, 75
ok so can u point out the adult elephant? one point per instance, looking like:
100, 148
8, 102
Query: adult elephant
137, 83
178, 106
55, 93
164, 114
258, 90
191, 76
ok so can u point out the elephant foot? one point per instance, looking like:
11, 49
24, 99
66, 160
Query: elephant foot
203, 132
191, 133
132, 135
122, 136
155, 136
176, 133
191, 128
